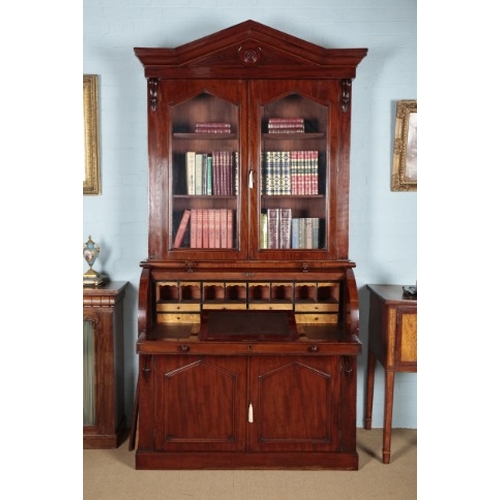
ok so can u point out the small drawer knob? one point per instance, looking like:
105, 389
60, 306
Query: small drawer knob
313, 348
184, 348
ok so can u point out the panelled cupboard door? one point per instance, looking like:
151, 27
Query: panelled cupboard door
294, 403
200, 403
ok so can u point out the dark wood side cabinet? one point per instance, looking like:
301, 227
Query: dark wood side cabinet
392, 341
104, 423
248, 140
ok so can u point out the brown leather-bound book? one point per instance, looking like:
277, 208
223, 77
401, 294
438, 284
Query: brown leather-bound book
182, 229
285, 228
273, 234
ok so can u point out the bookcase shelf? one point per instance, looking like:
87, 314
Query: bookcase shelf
248, 141
191, 136
307, 136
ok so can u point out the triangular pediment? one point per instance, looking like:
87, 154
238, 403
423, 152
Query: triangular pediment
248, 48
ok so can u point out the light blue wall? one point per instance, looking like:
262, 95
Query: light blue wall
383, 225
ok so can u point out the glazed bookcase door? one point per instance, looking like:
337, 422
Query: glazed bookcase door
297, 161
204, 198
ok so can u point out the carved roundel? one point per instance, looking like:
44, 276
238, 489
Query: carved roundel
249, 54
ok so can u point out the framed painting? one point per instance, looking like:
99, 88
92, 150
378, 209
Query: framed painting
404, 160
92, 170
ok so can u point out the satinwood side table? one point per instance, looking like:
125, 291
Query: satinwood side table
392, 332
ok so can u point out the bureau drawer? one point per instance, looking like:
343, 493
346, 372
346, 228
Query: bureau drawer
178, 307
316, 318
224, 306
269, 306
315, 307
178, 318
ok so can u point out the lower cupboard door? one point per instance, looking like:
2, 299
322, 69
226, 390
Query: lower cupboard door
200, 403
294, 404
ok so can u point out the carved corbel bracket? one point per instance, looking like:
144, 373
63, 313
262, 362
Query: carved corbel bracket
347, 365
146, 370
153, 93
346, 94
189, 266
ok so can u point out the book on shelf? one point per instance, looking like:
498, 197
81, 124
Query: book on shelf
213, 173
276, 228
223, 166
211, 228
236, 161
306, 233
217, 228
190, 172
286, 125
285, 227
181, 231
309, 233
209, 242
273, 228
311, 174
289, 173
276, 173
230, 225
263, 230
199, 229
285, 173
212, 127
198, 174
315, 232
304, 172
302, 232
295, 232
223, 227
217, 171
193, 226
208, 176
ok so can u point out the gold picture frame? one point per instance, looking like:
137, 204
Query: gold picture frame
92, 173
404, 161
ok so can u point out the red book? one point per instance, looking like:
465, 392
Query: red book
217, 229
194, 223
229, 229
213, 127
182, 228
216, 169
199, 229
211, 229
205, 227
314, 173
223, 228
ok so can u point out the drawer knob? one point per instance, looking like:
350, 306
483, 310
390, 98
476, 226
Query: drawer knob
313, 348
184, 348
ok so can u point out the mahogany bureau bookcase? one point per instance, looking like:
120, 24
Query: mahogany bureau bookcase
392, 340
248, 305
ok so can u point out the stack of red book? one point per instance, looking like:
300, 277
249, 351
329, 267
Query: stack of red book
285, 125
212, 128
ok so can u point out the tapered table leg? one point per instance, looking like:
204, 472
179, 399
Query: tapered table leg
389, 395
370, 376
